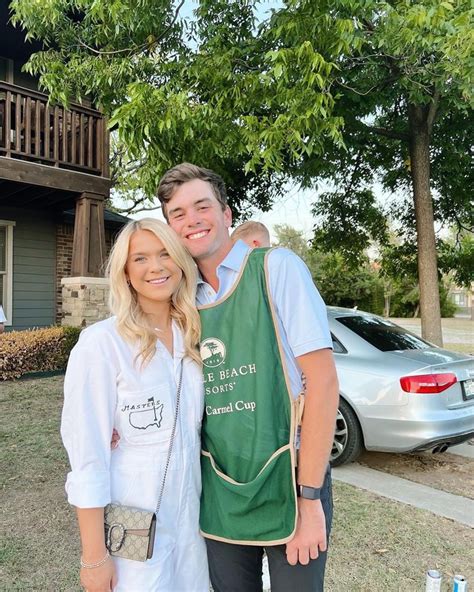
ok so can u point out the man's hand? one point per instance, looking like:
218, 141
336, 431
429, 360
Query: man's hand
115, 439
310, 536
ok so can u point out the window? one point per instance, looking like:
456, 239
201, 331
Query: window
6, 268
383, 335
337, 346
6, 70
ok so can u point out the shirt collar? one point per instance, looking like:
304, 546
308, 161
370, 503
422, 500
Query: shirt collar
233, 259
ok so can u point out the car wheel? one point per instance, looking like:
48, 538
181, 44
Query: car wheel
348, 442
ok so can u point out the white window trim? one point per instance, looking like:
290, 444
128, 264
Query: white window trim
8, 305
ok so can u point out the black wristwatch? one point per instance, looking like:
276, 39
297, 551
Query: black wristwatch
311, 493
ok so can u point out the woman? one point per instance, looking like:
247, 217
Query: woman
129, 362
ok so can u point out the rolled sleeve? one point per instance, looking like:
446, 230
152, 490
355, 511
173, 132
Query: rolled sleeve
88, 490
87, 423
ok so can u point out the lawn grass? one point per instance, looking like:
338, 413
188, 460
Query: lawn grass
463, 348
377, 544
40, 547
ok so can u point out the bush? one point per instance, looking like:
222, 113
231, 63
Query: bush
36, 350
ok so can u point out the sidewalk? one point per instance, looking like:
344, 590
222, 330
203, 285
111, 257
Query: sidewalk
451, 506
465, 449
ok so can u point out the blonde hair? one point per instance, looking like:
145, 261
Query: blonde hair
250, 230
132, 324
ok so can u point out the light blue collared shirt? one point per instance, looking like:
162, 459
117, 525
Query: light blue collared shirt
301, 313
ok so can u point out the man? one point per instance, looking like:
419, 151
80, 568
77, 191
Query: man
263, 325
254, 234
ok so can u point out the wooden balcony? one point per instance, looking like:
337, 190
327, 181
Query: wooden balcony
75, 139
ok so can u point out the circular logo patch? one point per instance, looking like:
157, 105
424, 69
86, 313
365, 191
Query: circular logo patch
212, 352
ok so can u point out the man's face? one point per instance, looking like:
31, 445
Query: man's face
198, 219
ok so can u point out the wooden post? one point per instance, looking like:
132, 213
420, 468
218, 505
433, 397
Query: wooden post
88, 251
8, 124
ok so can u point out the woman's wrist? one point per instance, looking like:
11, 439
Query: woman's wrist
93, 553
92, 564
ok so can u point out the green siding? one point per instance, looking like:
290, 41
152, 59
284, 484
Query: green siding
34, 267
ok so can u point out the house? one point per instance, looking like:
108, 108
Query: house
463, 298
54, 179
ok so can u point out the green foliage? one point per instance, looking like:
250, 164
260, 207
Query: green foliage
292, 239
405, 299
352, 222
261, 101
407, 54
399, 271
456, 255
217, 89
38, 350
344, 282
339, 282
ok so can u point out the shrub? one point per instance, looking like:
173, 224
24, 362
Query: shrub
36, 350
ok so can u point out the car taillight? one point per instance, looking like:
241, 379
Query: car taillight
428, 383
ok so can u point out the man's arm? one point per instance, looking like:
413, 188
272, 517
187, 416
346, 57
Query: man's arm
317, 434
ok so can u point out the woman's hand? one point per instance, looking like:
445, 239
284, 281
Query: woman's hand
99, 579
98, 569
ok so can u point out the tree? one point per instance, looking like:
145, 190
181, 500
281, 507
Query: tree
406, 97
211, 90
259, 102
339, 283
289, 237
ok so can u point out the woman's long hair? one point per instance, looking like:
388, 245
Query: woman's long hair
132, 322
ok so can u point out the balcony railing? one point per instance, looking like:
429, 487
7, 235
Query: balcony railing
31, 129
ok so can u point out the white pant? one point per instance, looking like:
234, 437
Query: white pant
179, 562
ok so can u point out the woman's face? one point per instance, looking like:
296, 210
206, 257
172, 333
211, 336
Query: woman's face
150, 269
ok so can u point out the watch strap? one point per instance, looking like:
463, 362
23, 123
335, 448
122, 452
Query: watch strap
306, 492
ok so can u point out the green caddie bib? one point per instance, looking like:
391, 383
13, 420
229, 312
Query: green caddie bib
248, 454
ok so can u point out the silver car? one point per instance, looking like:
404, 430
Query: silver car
398, 392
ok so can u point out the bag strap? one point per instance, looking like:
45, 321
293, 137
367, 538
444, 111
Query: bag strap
173, 432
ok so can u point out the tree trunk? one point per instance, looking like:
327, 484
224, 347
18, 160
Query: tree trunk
427, 260
387, 295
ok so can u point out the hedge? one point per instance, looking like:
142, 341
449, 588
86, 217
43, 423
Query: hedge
36, 350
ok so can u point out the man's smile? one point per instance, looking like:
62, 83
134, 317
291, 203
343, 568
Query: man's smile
196, 235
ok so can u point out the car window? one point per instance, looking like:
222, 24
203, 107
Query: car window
337, 346
382, 334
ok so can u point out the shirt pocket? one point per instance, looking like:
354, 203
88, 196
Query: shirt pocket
146, 417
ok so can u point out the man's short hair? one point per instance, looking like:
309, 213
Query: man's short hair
250, 228
184, 172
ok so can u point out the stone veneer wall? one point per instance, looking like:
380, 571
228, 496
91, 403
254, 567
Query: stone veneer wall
64, 240
84, 300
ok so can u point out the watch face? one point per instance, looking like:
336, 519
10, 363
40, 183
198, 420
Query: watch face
312, 493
